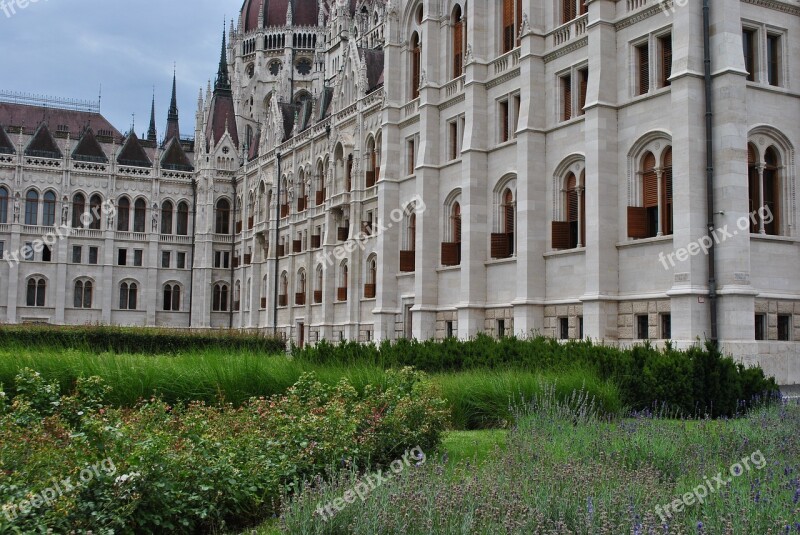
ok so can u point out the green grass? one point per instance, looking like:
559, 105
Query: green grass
478, 398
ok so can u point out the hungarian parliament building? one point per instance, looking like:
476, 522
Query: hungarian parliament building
619, 170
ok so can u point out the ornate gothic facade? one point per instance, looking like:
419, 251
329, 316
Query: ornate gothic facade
373, 169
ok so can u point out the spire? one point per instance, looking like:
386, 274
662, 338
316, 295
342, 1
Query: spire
223, 83
173, 130
151, 132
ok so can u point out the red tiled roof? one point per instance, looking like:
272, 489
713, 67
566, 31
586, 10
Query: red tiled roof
222, 116
304, 13
30, 117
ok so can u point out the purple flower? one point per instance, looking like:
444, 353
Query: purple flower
699, 527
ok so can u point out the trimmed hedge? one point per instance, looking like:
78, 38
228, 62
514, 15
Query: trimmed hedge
697, 381
151, 341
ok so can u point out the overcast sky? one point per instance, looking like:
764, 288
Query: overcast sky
68, 48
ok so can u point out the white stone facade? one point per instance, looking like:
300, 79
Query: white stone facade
539, 122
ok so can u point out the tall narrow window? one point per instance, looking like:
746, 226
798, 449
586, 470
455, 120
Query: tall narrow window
183, 219
772, 195
49, 209
502, 243
78, 208
650, 193
568, 11
666, 195
583, 76
416, 64
166, 217
753, 179
665, 53
512, 19
573, 210
95, 204
458, 42
139, 213
32, 208
37, 290
220, 298
412, 156
749, 46
503, 127
3, 205
643, 69
566, 97
773, 59
172, 297
123, 215
451, 250
128, 293
223, 216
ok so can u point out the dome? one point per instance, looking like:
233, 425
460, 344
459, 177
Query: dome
304, 13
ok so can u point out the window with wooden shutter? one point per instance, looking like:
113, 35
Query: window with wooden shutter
584, 80
584, 8
458, 43
416, 63
637, 222
451, 251
518, 23
772, 193
566, 96
666, 59
560, 235
666, 218
753, 188
567, 10
749, 44
573, 208
503, 134
508, 25
650, 193
643, 68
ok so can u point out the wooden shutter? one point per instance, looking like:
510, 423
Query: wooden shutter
518, 24
560, 235
584, 7
567, 10
451, 254
508, 25
566, 83
666, 60
407, 261
499, 243
572, 198
508, 208
637, 222
643, 53
649, 182
458, 48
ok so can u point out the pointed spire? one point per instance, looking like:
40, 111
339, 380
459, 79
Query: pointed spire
173, 128
223, 82
151, 132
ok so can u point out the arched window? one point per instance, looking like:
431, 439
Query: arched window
318, 285
83, 294
139, 215
78, 208
300, 293
32, 208
341, 291
223, 217
220, 298
412, 232
183, 218
166, 217
370, 287
49, 209
451, 250
459, 40
643, 219
512, 20
124, 214
95, 211
283, 290
3, 205
416, 65
765, 190
237, 296
320, 183
502, 243
37, 291
172, 297
569, 233
128, 292
408, 257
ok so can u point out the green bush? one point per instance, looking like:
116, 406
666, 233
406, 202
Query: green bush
698, 381
153, 341
196, 468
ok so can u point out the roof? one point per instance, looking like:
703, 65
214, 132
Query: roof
287, 114
30, 117
133, 153
304, 13
6, 146
252, 152
374, 62
175, 158
88, 149
222, 117
325, 102
42, 144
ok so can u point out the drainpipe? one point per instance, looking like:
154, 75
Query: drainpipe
194, 234
712, 271
233, 252
275, 246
